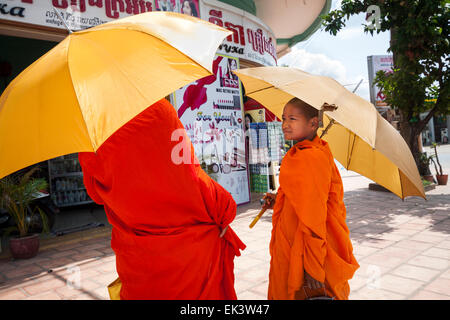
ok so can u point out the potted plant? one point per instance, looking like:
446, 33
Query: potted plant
424, 167
440, 176
17, 192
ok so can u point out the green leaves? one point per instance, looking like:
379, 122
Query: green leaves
420, 44
17, 191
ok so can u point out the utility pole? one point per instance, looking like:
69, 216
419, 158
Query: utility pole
357, 86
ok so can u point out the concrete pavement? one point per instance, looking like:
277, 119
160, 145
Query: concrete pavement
403, 248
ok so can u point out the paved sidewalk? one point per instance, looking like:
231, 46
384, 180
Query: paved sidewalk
403, 248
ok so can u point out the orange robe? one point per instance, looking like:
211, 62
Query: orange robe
167, 217
309, 230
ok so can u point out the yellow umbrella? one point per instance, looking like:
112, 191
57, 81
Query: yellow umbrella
94, 81
359, 138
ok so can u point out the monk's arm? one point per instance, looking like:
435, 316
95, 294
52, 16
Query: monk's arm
306, 187
88, 164
221, 204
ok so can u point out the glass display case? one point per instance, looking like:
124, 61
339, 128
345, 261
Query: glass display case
66, 181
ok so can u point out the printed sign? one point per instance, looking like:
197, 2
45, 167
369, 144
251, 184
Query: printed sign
82, 14
375, 64
251, 39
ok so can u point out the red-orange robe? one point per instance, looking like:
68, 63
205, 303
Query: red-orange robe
166, 217
309, 230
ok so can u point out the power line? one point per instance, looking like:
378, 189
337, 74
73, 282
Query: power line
352, 84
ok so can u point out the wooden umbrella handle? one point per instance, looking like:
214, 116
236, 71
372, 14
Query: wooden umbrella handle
258, 216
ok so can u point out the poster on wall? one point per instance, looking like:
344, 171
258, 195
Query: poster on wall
189, 7
378, 63
211, 112
252, 116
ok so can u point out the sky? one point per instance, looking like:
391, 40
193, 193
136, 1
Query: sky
342, 57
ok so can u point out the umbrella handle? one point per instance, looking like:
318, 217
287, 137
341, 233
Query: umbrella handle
223, 232
325, 107
324, 132
257, 217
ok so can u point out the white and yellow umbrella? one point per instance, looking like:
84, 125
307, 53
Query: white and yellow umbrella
358, 136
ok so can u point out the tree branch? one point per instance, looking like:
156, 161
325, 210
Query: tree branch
422, 123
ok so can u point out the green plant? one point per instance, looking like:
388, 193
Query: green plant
435, 155
17, 191
424, 164
426, 183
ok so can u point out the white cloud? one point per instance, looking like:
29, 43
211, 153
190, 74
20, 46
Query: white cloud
336, 4
320, 64
350, 33
315, 63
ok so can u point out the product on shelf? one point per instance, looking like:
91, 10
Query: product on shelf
66, 181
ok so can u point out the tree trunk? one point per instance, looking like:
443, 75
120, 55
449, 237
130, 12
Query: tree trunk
410, 133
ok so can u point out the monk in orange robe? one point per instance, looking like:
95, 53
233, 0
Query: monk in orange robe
170, 220
311, 251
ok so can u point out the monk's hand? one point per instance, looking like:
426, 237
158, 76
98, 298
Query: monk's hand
269, 200
312, 283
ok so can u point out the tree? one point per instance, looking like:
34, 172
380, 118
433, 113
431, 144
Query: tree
419, 43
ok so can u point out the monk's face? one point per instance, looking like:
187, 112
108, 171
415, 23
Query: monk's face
296, 126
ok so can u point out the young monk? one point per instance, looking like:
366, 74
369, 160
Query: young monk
311, 251
170, 221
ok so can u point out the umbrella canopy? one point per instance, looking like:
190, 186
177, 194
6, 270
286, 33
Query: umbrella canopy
94, 81
359, 138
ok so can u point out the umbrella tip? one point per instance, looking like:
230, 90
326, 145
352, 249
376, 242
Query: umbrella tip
62, 20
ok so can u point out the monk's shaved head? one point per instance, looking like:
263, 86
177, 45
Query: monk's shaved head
307, 110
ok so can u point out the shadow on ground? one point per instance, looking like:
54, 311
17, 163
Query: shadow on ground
376, 213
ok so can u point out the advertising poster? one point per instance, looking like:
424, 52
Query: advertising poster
211, 111
252, 116
375, 64
189, 7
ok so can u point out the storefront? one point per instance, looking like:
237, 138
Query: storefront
212, 109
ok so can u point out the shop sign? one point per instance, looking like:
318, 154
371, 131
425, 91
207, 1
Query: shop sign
251, 39
211, 112
82, 14
12, 11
